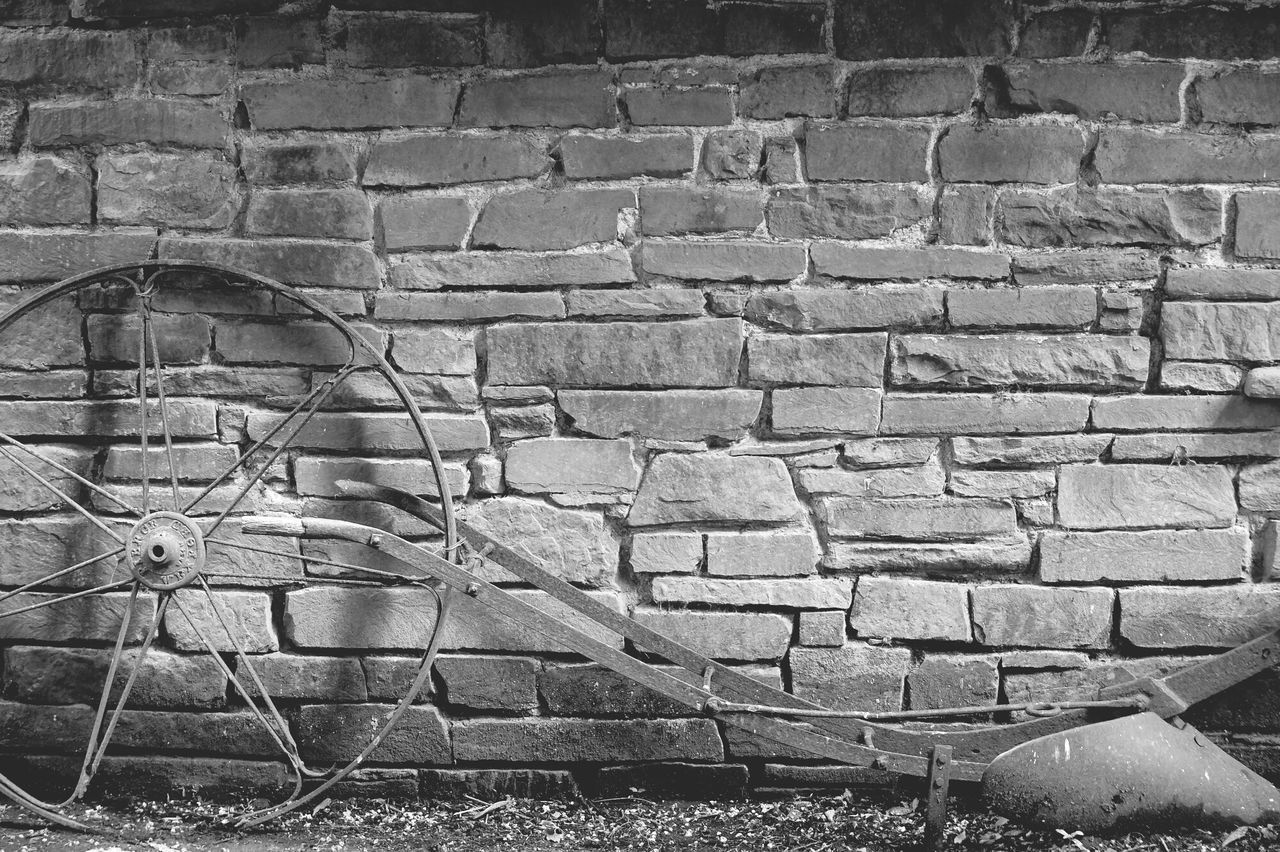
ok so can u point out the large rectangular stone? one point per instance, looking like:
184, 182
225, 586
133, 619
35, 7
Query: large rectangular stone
1011, 153
817, 410
375, 431
1024, 307
723, 635
695, 353
1156, 556
1140, 155
926, 480
1012, 556
867, 152
489, 683
309, 264
1133, 496
576, 98
885, 306
1049, 449
1184, 413
840, 260
983, 414
470, 307
1220, 617
1222, 283
723, 261
1059, 360
1042, 617
1196, 446
349, 104
564, 465
537, 219
1221, 331
925, 520
320, 476
673, 415
336, 733
594, 740
68, 57
96, 618
855, 360
187, 418
27, 257
128, 120
1085, 266
710, 487
760, 554
807, 593
855, 677
513, 269
907, 608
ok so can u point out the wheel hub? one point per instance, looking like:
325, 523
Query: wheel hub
166, 551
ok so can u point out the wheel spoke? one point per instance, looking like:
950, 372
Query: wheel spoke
150, 331
62, 495
61, 468
97, 590
330, 385
56, 574
143, 314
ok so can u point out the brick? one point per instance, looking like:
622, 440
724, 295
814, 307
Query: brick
1222, 283
191, 125
644, 30
1022, 154
550, 32
450, 159
561, 219
857, 212
781, 161
966, 214
403, 41
278, 43
1059, 32
43, 675
596, 740
906, 608
822, 628
1149, 413
752, 28
977, 414
968, 361
694, 353
1145, 92
1040, 307
927, 480
297, 676
378, 431
514, 269
666, 553
804, 593
245, 341
635, 304
525, 421
1000, 484
62, 384
1220, 617
714, 487
864, 677
559, 465
66, 57
319, 476
203, 79
187, 418
171, 190
209, 381
228, 621
700, 107
926, 520
1255, 232
320, 617
881, 29
1147, 156
309, 264
564, 99
633, 155
987, 557
577, 546
723, 261
783, 92
179, 339
1088, 266
43, 191
337, 733
1122, 496
90, 619
1207, 331
845, 261
866, 152
298, 162
469, 307
801, 411
909, 92
490, 683
883, 306
349, 105
732, 154
1043, 617
430, 222
22, 492
339, 213
1157, 556
435, 350
830, 359
1200, 32
1238, 96
1110, 216
761, 554
1200, 378
679, 210
672, 415
723, 635
941, 681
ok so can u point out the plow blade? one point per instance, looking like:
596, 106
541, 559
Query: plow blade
1133, 772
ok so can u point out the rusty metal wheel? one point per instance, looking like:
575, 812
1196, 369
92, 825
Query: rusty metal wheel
120, 502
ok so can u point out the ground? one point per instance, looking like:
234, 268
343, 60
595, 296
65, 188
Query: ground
800, 824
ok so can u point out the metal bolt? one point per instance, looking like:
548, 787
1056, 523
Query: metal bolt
375, 540
473, 589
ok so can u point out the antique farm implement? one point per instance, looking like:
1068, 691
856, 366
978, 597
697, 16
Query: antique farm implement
169, 549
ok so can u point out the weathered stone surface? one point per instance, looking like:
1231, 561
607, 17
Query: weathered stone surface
1148, 413
1142, 92
427, 222
966, 213
668, 210
43, 191
845, 261
187, 418
228, 621
435, 350
496, 784
310, 343
1128, 496
293, 676
1024, 307
489, 683
857, 212
866, 152
654, 155
1140, 155
900, 92
575, 98
551, 219
468, 306
174, 190
1155, 556
1263, 383
338, 213
514, 269
44, 675
861, 677
803, 411
596, 740
1204, 331
49, 544
333, 617
1026, 154
890, 452
179, 339
162, 122
666, 553
558, 465
320, 476
829, 359
1002, 483
1013, 556
438, 160
299, 263
525, 421
723, 261
1171, 446
635, 304
1110, 216
822, 628
338, 732
1084, 360
1259, 487
50, 256
575, 545
682, 487
1039, 616
839, 310
695, 353
702, 106
941, 519
68, 57
949, 681
239, 733
723, 635
402, 101
756, 554
1222, 283
906, 608
21, 491
1220, 617
926, 480
371, 433
808, 593
1201, 378
773, 93
1087, 266
191, 462
96, 618
976, 414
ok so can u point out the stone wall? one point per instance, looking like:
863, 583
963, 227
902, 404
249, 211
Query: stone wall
906, 354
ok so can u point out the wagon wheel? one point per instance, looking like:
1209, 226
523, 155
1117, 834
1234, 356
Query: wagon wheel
146, 553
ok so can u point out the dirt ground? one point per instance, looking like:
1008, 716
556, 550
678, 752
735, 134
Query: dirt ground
800, 824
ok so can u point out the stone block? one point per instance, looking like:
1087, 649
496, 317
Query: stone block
1156, 556
174, 190
514, 269
1202, 378
839, 260
338, 732
1071, 216
907, 608
50, 544
468, 306
68, 57
666, 553
1027, 307
1263, 383
673, 415
1222, 283
847, 212
890, 452
1025, 360
1170, 446
678, 210
635, 304
578, 98
680, 487
884, 306
739, 260
497, 784
44, 191
224, 621
436, 160
21, 491
1185, 413
822, 628
238, 734
180, 339
805, 593
786, 91
925, 520
376, 432
94, 619
866, 152
55, 676
1085, 266
489, 683
279, 43
349, 105
660, 107
954, 681
896, 92
186, 124
355, 618
551, 219
562, 465
338, 213
855, 677
761, 554
1003, 557
428, 222
298, 676
1022, 154
803, 411
1146, 92
607, 157
586, 740
966, 214
1139, 155
311, 264
927, 480
380, 41
50, 256
723, 635
1095, 497
1042, 617
980, 414
829, 359
435, 350
577, 546
1217, 617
